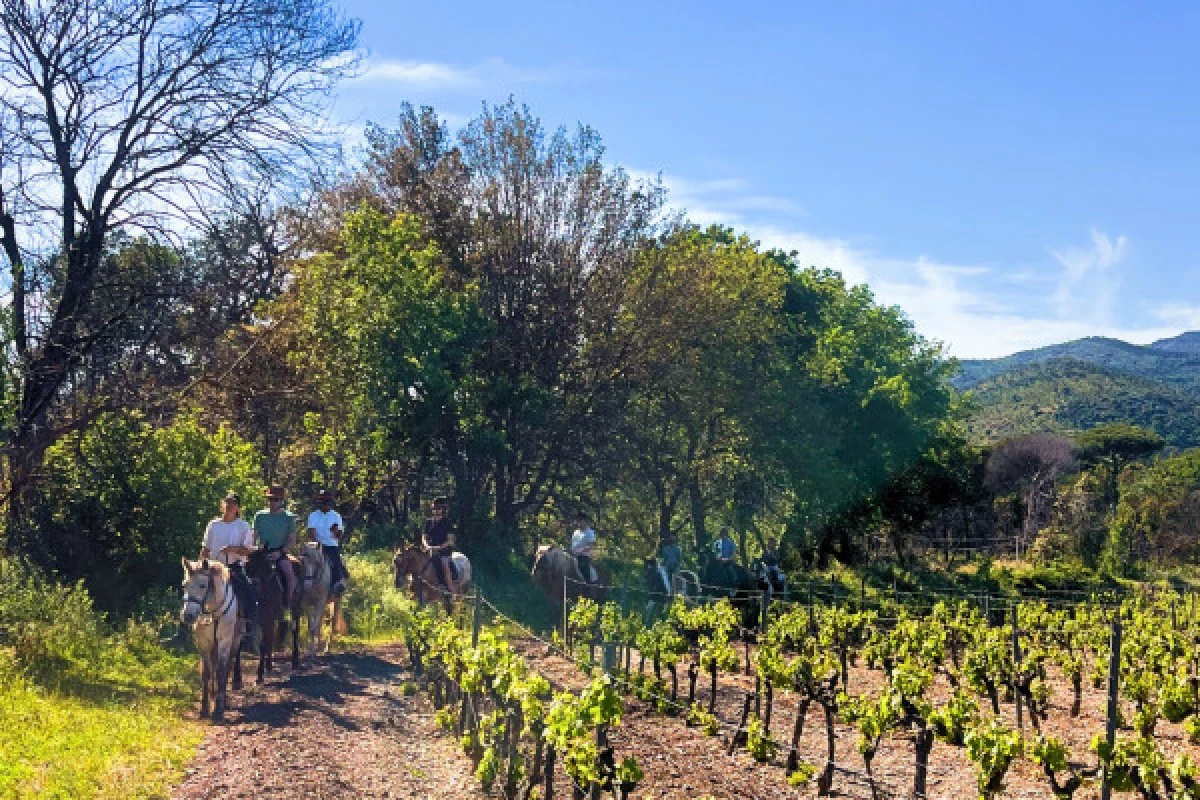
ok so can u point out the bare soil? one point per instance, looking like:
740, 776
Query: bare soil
339, 728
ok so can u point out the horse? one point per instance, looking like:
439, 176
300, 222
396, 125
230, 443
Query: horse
313, 593
734, 582
268, 582
413, 567
771, 579
211, 608
554, 567
662, 589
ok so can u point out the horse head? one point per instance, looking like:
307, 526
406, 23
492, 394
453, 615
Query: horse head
201, 581
405, 564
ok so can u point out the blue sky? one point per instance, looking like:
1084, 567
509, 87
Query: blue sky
1011, 174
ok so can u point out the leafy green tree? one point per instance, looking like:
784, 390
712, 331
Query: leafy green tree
1111, 448
122, 500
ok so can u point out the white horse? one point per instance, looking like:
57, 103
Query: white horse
314, 594
211, 608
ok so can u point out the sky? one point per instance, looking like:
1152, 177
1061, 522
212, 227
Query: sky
1011, 174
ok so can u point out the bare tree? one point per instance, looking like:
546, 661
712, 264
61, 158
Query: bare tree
1030, 467
128, 115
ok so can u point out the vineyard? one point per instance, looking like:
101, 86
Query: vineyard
913, 696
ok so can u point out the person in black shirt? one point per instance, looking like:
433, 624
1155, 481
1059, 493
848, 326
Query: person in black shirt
438, 540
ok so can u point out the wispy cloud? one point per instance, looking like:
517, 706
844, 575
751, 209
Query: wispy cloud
1086, 283
976, 311
434, 76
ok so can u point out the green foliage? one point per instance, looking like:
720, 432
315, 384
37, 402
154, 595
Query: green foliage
86, 709
123, 499
992, 749
758, 743
1066, 395
952, 721
802, 775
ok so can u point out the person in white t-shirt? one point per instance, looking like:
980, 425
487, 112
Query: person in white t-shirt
325, 528
228, 539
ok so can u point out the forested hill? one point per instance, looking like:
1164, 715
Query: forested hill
1077, 385
1173, 362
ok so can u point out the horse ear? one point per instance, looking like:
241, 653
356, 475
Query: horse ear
187, 567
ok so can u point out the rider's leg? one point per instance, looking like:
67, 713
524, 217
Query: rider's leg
447, 573
585, 567
335, 560
289, 580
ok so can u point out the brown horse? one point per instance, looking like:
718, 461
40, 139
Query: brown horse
555, 568
268, 582
413, 567
211, 608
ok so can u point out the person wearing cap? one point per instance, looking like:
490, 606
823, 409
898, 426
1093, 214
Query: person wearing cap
228, 539
275, 530
438, 540
325, 528
583, 543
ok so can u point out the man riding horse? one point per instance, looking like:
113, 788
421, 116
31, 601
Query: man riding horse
275, 530
325, 528
583, 544
438, 541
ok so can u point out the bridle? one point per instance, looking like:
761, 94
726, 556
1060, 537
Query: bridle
202, 601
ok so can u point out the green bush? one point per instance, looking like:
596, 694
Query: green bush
49, 627
121, 500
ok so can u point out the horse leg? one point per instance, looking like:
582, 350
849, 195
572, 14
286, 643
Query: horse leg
205, 681
295, 639
237, 666
222, 675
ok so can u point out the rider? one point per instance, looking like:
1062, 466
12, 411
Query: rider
670, 556
438, 541
275, 529
325, 528
228, 539
771, 562
725, 549
583, 543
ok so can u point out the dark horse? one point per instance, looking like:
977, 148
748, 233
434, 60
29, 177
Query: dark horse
735, 583
269, 584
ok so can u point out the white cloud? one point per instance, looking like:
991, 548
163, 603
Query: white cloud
434, 76
975, 311
1086, 283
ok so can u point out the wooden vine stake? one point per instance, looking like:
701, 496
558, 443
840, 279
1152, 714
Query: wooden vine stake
1114, 680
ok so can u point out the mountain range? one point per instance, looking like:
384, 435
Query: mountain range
1076, 385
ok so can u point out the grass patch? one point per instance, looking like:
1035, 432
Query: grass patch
107, 737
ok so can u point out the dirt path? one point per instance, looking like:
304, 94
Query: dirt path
338, 729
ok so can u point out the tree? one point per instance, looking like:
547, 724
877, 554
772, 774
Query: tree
1111, 448
129, 115
1030, 466
547, 236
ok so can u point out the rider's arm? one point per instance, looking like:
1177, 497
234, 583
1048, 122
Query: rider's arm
205, 549
336, 527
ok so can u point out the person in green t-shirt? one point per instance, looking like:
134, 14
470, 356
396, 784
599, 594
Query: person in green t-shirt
275, 530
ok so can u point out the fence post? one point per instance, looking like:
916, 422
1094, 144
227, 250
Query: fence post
1114, 678
1016, 654
566, 637
476, 618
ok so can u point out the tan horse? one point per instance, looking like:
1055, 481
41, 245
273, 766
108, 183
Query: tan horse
554, 568
313, 594
412, 567
211, 608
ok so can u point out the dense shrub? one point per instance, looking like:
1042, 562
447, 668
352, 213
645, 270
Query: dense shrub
122, 500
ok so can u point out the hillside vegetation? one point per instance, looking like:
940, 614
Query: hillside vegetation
1069, 395
1173, 362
